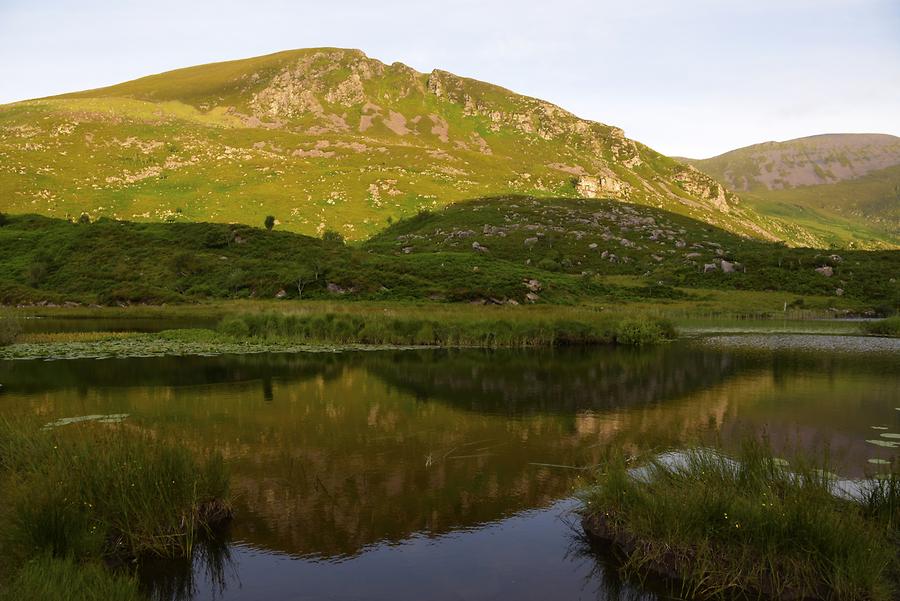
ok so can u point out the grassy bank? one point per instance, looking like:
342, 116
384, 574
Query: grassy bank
81, 496
751, 528
884, 327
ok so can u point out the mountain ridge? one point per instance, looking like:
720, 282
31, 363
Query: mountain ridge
329, 138
843, 187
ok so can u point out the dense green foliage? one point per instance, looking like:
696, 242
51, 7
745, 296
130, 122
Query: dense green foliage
750, 528
83, 493
587, 237
495, 250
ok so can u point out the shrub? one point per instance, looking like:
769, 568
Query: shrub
634, 332
4, 219
84, 219
269, 222
333, 238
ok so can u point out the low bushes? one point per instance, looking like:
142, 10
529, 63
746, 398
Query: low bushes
749, 528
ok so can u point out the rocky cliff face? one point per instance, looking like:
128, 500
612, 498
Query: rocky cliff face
327, 139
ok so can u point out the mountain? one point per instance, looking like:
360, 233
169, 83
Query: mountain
843, 188
327, 139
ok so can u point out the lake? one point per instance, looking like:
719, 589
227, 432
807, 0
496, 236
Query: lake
449, 474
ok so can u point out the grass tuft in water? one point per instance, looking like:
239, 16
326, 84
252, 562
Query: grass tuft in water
749, 527
91, 492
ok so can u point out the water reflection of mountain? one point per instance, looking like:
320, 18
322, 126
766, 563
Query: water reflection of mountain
559, 381
334, 452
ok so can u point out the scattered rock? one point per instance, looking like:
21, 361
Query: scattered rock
479, 247
335, 289
825, 270
281, 293
533, 285
727, 266
529, 242
839, 292
531, 297
708, 267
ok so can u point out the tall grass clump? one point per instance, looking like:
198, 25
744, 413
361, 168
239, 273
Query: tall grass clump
883, 327
10, 329
91, 492
749, 527
473, 331
57, 579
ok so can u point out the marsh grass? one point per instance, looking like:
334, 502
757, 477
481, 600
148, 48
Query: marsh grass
61, 337
749, 528
472, 330
64, 579
89, 492
10, 329
883, 327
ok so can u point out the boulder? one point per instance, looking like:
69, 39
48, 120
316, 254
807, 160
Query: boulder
533, 285
529, 242
708, 267
281, 293
727, 267
825, 270
531, 297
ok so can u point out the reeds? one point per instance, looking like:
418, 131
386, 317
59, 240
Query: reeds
456, 331
750, 527
90, 492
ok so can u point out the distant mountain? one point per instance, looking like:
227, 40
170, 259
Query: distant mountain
328, 139
843, 188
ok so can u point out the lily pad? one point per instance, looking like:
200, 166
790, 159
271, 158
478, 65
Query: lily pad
879, 427
891, 435
884, 443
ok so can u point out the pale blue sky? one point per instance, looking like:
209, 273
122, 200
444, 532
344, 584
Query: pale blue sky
688, 77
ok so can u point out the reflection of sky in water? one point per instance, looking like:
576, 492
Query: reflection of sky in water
439, 474
538, 554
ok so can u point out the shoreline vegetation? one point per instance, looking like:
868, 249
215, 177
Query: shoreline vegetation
82, 499
315, 326
750, 527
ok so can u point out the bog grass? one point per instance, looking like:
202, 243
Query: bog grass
85, 493
883, 327
750, 527
472, 330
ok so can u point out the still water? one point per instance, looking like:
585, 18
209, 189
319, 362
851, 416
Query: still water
449, 474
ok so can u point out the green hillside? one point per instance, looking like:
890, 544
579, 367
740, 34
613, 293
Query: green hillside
326, 139
500, 250
840, 189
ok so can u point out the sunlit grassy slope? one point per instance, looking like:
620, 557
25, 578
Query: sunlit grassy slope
327, 139
842, 189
